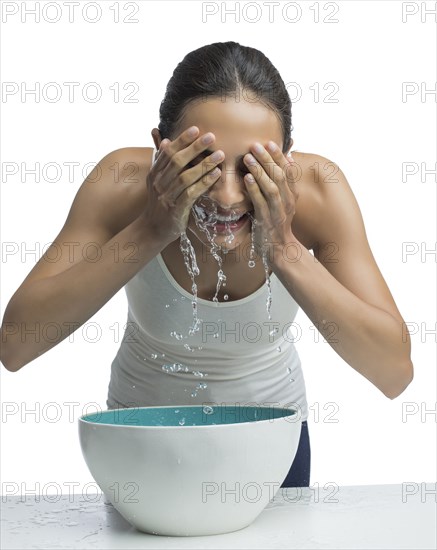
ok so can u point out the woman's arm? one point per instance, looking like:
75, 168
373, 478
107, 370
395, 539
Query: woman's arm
342, 291
102, 245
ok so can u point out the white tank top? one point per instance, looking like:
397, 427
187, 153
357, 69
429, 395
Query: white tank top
234, 358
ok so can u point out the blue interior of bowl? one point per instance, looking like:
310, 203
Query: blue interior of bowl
189, 416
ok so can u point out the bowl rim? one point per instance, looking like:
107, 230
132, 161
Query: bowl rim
82, 420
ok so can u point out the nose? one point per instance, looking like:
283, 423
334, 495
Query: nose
229, 190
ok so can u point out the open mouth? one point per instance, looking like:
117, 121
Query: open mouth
234, 225
221, 222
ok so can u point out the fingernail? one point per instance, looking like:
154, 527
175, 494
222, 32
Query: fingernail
216, 156
207, 138
250, 159
192, 131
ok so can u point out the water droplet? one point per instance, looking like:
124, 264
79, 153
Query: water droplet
175, 367
153, 355
278, 348
167, 305
225, 297
205, 222
133, 386
208, 410
182, 421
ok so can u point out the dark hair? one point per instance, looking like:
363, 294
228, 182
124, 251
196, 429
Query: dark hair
225, 69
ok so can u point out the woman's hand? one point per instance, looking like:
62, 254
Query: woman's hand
274, 194
173, 187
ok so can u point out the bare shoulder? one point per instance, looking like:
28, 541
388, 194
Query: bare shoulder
126, 188
329, 210
313, 172
109, 199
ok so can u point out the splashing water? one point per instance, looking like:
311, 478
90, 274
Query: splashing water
189, 254
200, 386
251, 262
199, 374
205, 222
269, 286
175, 367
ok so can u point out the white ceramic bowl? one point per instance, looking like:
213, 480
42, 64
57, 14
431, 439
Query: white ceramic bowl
189, 471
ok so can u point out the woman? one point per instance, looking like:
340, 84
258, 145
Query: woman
167, 211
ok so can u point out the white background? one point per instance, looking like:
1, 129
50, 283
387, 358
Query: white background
369, 132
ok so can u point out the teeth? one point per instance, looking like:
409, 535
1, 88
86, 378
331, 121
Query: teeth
221, 219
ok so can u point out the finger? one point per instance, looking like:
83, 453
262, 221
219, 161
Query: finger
258, 200
268, 187
276, 166
192, 190
279, 198
168, 148
174, 177
287, 164
204, 167
184, 153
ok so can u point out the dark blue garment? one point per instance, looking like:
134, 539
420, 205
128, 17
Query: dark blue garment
299, 473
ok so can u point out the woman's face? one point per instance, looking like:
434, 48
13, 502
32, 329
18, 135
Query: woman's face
236, 125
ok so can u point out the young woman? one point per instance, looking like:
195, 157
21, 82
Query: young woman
158, 213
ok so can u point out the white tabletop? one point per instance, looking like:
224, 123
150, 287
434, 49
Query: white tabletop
367, 516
